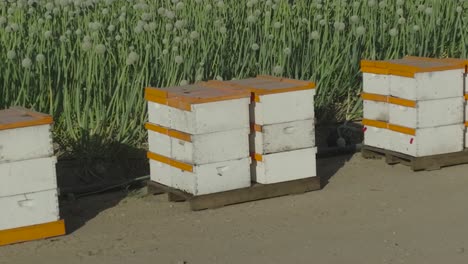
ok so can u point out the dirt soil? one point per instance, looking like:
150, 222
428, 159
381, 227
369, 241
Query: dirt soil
369, 212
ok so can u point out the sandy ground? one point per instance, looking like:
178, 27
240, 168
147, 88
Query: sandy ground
368, 212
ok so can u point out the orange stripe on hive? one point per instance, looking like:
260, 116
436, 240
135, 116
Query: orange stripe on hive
169, 132
466, 97
256, 156
374, 97
402, 102
374, 123
402, 129
466, 124
34, 232
170, 162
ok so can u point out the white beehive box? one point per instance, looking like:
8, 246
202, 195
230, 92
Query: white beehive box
200, 179
375, 107
427, 141
198, 109
285, 166
27, 176
427, 113
29, 209
201, 148
24, 134
283, 137
376, 134
277, 100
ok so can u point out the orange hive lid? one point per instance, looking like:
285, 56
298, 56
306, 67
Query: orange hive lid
409, 66
464, 62
18, 117
183, 97
264, 84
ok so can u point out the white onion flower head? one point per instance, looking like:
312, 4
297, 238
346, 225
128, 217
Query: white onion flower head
255, 47
399, 11
49, 6
170, 14
257, 12
194, 35
393, 32
340, 26
14, 27
354, 19
267, 14
428, 11
287, 51
165, 51
415, 28
314, 35
421, 8
8, 29
3, 20
175, 49
179, 24
356, 4
174, 1
268, 3
165, 41
223, 30
86, 45
249, 3
322, 22
169, 27
371, 3
118, 37
251, 19
401, 20
26, 63
178, 59
63, 39
146, 16
138, 29
183, 82
177, 39
111, 28
278, 70
40, 58
11, 54
105, 11
360, 30
220, 4
132, 58
219, 78
459, 9
277, 25
208, 7
180, 6
48, 34
162, 11
382, 4
100, 48
400, 2
152, 26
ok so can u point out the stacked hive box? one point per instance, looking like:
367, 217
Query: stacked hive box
198, 138
413, 105
28, 183
282, 140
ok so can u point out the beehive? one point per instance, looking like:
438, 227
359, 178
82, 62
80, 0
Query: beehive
419, 109
199, 138
28, 183
283, 127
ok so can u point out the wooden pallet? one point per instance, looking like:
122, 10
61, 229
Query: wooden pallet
434, 162
253, 193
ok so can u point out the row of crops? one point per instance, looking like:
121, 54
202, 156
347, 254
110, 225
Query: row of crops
87, 61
